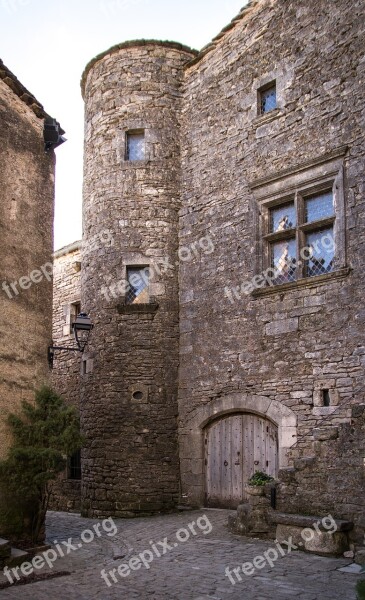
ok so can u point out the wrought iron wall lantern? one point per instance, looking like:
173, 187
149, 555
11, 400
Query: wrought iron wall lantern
82, 327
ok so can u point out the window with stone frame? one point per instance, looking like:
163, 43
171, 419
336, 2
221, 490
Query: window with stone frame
267, 98
301, 222
138, 285
75, 309
300, 235
135, 145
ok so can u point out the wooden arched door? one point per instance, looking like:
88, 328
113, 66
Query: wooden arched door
235, 447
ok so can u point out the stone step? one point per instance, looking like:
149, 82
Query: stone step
308, 521
16, 558
5, 549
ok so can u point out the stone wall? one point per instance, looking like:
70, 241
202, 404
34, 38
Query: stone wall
332, 480
66, 367
213, 160
287, 343
129, 402
26, 226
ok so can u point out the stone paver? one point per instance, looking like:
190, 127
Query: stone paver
191, 570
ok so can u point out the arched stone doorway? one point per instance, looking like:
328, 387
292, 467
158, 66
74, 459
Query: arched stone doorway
192, 436
236, 446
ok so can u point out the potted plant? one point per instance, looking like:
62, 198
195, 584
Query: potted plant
257, 482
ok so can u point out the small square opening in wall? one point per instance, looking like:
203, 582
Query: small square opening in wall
267, 98
326, 398
138, 285
135, 145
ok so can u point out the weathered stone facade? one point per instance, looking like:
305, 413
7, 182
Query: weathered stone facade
27, 175
66, 368
284, 343
291, 353
129, 399
26, 246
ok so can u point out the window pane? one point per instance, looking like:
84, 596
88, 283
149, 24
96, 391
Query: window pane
135, 146
138, 280
319, 207
284, 260
268, 99
283, 218
321, 246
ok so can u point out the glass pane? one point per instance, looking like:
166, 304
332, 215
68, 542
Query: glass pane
283, 218
268, 99
135, 146
138, 280
284, 260
319, 207
321, 248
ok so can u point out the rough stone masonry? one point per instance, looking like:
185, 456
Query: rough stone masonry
225, 363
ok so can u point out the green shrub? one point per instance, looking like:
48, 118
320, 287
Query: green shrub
260, 478
43, 435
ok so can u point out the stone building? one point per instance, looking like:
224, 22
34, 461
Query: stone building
27, 175
227, 300
66, 373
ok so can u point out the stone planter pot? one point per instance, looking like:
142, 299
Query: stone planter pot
255, 490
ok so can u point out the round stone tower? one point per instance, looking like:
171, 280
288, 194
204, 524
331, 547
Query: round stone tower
132, 97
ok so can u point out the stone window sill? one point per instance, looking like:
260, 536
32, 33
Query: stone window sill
132, 309
305, 282
135, 164
268, 117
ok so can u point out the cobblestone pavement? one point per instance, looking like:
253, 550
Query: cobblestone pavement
191, 570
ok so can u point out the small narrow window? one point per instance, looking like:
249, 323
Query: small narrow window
138, 285
135, 145
326, 398
74, 466
267, 98
319, 211
75, 310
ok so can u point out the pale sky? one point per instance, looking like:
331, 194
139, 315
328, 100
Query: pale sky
47, 43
